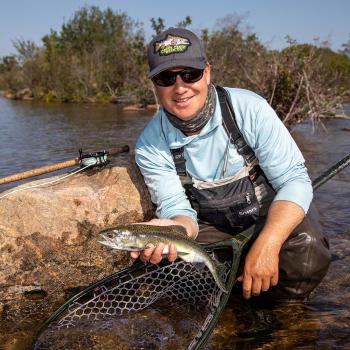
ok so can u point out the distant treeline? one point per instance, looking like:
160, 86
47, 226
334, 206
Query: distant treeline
100, 56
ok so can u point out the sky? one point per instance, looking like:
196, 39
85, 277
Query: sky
271, 20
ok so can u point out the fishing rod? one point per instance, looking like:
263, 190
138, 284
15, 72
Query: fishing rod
328, 174
84, 160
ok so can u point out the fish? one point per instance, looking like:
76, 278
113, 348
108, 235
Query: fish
136, 237
170, 40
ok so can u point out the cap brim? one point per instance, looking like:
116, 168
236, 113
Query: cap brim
200, 64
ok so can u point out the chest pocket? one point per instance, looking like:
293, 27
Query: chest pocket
232, 203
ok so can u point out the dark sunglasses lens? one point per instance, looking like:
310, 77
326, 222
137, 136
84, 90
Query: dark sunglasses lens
166, 78
191, 75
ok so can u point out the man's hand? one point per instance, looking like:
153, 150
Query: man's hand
261, 263
260, 268
154, 254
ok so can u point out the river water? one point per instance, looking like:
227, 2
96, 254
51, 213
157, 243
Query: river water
35, 134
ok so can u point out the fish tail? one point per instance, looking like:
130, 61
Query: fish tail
218, 269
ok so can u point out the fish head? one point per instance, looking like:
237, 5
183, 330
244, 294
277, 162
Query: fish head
120, 238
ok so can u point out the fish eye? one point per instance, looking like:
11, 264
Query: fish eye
110, 235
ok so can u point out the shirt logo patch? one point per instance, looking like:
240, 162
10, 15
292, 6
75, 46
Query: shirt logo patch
171, 44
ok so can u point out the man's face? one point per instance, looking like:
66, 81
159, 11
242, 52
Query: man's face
182, 99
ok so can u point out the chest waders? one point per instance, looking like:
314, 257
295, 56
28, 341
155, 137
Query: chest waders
237, 202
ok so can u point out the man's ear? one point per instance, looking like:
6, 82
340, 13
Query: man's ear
207, 73
154, 90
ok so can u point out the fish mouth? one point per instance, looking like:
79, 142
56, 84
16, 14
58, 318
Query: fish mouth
115, 243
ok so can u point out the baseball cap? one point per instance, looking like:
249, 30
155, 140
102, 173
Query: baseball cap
175, 47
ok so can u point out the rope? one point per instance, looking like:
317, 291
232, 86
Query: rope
49, 182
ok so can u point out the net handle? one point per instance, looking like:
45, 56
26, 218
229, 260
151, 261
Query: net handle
239, 243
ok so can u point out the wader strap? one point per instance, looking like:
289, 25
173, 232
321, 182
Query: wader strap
179, 160
231, 128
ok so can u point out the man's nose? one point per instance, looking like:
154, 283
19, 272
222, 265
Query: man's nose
179, 85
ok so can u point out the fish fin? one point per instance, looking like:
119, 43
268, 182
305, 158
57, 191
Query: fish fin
182, 254
199, 266
188, 257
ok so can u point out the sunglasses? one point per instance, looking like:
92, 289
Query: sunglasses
168, 78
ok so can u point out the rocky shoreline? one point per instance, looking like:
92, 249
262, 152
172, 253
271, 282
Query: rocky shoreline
49, 235
27, 95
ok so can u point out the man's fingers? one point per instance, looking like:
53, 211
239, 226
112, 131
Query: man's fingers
155, 254
147, 253
265, 285
157, 257
274, 279
256, 286
247, 286
172, 252
135, 255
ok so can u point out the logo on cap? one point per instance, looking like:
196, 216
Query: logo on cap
171, 44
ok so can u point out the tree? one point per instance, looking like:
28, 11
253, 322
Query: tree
205, 35
96, 53
346, 48
26, 49
157, 25
8, 63
185, 22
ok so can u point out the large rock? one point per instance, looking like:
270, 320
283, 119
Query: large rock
24, 94
48, 236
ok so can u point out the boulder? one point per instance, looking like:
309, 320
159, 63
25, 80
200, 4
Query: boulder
133, 108
48, 236
24, 94
152, 107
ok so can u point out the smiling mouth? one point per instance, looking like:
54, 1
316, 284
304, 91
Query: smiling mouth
181, 100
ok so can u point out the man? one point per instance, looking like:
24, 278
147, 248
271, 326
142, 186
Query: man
197, 172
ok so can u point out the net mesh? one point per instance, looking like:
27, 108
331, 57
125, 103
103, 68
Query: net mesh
111, 310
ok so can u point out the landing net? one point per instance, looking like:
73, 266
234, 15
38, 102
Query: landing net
119, 307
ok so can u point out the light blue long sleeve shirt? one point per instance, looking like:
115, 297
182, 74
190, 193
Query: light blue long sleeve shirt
277, 153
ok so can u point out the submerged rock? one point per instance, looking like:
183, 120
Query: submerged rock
48, 235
